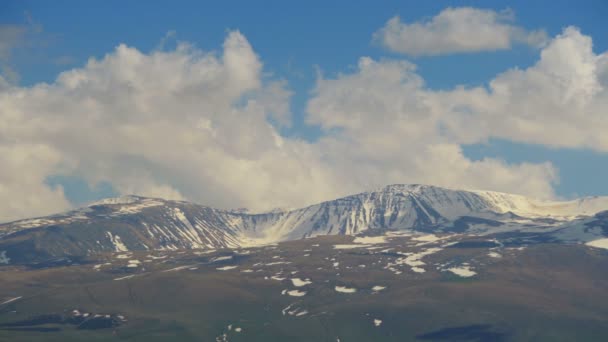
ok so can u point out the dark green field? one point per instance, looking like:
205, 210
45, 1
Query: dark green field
544, 292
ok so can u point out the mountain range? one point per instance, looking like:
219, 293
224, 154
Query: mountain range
134, 223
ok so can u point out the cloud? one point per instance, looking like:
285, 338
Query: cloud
176, 124
168, 37
23, 191
457, 30
561, 101
188, 124
387, 130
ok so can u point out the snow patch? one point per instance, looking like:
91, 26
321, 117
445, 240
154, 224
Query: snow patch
222, 258
4, 259
159, 257
296, 293
179, 268
117, 242
134, 263
370, 239
293, 312
11, 300
344, 289
464, 271
136, 207
494, 255
350, 246
399, 233
226, 268
414, 260
600, 243
31, 223
377, 322
297, 282
427, 238
278, 263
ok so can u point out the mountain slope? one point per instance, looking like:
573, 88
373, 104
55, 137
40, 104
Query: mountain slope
138, 223
132, 223
418, 207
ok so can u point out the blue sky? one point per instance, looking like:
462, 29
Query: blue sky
294, 40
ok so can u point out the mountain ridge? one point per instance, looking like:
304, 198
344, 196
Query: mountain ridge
414, 188
131, 198
141, 223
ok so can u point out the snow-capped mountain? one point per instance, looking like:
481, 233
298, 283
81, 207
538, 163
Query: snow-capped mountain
418, 207
139, 223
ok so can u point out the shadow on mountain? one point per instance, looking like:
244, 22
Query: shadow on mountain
475, 332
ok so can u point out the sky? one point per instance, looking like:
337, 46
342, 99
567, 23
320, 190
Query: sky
234, 104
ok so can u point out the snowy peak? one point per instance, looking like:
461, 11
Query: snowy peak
447, 202
394, 207
498, 202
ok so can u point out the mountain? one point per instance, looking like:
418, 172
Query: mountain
137, 223
375, 266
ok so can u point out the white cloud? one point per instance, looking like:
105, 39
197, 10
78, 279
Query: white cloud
457, 30
23, 171
193, 125
177, 124
389, 131
561, 101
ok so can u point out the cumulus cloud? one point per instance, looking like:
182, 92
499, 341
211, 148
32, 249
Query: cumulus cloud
388, 130
181, 124
561, 101
196, 125
457, 30
23, 191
